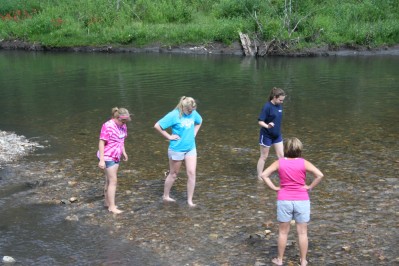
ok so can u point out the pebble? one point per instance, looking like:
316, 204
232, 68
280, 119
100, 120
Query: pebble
8, 259
73, 218
346, 248
73, 199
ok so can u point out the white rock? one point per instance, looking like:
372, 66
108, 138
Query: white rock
8, 259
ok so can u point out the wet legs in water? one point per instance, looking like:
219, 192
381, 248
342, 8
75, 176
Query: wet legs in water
174, 168
264, 153
110, 188
283, 230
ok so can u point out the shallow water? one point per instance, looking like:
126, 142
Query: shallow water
345, 110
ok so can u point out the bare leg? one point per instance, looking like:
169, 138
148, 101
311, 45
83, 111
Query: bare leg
279, 148
283, 230
106, 204
264, 152
302, 229
111, 174
174, 167
191, 165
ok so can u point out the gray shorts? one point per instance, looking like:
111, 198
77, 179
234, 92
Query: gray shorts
180, 155
298, 210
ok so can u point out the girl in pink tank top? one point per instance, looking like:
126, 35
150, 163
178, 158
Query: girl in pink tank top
292, 195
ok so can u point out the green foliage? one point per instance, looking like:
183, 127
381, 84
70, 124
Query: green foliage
141, 22
10, 6
227, 9
163, 11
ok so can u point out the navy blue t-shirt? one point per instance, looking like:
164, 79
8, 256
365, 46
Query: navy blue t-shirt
271, 113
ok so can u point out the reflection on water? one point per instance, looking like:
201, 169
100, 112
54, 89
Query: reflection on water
343, 109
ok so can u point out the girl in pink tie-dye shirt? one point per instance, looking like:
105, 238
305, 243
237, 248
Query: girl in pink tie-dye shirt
111, 149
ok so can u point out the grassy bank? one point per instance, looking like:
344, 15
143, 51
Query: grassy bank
290, 23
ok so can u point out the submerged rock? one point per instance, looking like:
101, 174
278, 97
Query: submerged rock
8, 259
73, 199
73, 218
13, 147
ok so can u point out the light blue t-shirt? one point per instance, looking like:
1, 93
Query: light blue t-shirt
183, 127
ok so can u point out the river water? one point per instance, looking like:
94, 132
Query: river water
344, 109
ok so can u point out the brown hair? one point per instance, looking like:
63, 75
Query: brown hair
276, 92
187, 102
292, 148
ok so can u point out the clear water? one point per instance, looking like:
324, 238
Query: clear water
345, 110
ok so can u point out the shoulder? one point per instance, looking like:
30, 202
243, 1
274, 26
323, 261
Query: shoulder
195, 113
171, 114
276, 164
174, 112
108, 124
266, 107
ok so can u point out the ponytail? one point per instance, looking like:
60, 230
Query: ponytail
276, 92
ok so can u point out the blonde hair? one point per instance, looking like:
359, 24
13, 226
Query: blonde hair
185, 102
292, 148
276, 92
117, 112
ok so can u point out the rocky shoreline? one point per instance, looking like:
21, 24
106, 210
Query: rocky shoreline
13, 147
207, 49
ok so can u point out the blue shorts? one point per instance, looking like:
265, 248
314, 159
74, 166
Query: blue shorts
108, 164
265, 140
180, 155
298, 210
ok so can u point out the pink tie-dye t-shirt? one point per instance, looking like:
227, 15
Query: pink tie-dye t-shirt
114, 137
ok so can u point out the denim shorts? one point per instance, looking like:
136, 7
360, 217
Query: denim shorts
108, 164
298, 210
267, 141
180, 155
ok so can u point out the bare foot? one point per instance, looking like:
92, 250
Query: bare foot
277, 261
168, 199
190, 204
115, 210
304, 262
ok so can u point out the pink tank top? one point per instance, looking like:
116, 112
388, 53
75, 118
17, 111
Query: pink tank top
292, 173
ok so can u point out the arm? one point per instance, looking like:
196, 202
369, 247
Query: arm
196, 129
165, 133
125, 157
101, 145
263, 124
266, 175
316, 172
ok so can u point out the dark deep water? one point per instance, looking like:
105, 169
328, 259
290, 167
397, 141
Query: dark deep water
344, 109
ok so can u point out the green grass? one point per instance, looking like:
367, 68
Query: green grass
177, 22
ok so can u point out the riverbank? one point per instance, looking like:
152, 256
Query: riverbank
215, 48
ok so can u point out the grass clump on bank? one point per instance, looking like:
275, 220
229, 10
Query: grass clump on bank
294, 23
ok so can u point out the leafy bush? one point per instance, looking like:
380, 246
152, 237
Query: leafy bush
163, 11
227, 9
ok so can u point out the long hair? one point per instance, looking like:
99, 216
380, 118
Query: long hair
185, 102
276, 92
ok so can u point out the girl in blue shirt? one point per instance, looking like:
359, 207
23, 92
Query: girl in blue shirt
185, 123
270, 128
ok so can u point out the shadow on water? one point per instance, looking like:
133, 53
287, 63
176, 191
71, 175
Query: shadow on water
343, 109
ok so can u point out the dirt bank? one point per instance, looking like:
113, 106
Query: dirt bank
207, 49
